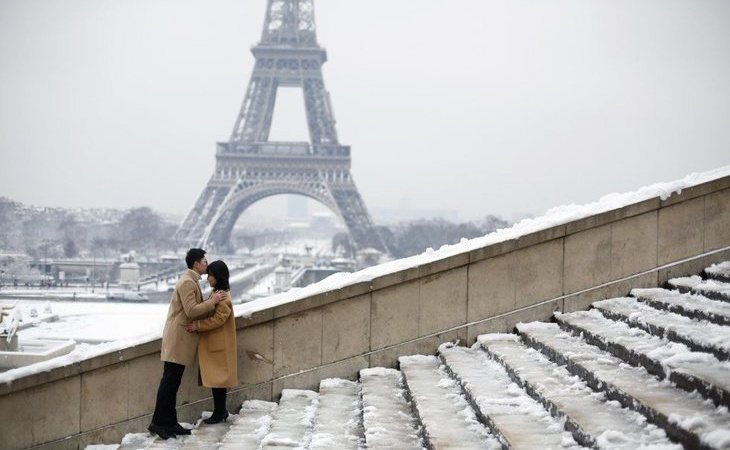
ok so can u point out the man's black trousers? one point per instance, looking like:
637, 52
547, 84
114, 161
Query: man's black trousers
165, 414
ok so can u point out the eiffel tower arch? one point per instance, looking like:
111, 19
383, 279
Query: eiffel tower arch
250, 168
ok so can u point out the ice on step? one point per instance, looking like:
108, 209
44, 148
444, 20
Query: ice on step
292, 421
719, 271
337, 422
207, 437
516, 418
698, 335
692, 416
713, 289
596, 421
447, 418
691, 305
658, 355
135, 441
253, 423
387, 417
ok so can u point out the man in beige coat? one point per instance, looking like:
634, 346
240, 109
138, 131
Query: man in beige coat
178, 346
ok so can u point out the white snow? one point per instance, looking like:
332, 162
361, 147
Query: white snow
713, 310
292, 420
706, 335
688, 410
337, 422
605, 421
80, 353
496, 337
699, 286
671, 356
523, 422
95, 322
253, 423
387, 417
444, 412
721, 269
717, 439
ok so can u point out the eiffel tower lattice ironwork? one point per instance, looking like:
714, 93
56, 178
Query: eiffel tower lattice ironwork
249, 167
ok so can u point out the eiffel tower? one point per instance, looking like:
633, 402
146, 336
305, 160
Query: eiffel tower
250, 168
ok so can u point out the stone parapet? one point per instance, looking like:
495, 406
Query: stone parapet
365, 324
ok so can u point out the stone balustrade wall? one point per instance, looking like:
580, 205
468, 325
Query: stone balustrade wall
337, 333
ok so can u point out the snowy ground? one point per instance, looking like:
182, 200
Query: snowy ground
94, 322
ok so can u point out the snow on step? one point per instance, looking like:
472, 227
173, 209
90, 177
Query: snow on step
135, 441
690, 305
712, 289
387, 416
292, 420
337, 423
699, 336
207, 437
254, 421
447, 418
686, 416
514, 417
689, 370
719, 271
593, 420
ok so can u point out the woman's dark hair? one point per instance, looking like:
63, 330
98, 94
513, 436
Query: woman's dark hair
219, 270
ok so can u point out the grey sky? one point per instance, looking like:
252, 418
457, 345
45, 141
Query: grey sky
474, 105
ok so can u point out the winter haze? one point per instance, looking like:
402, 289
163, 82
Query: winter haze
469, 105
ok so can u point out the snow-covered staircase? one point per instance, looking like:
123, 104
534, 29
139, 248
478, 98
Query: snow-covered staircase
649, 371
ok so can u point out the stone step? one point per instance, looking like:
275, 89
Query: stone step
698, 336
719, 272
690, 305
203, 437
292, 421
686, 417
687, 369
253, 423
388, 420
338, 422
712, 289
135, 441
593, 420
515, 418
448, 420
207, 437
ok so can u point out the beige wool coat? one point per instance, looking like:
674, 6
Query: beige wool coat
217, 349
186, 305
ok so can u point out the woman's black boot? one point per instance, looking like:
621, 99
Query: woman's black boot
216, 417
220, 414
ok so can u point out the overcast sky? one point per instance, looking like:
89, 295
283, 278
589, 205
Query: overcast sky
474, 105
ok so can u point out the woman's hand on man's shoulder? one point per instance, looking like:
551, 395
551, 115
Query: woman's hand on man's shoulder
218, 296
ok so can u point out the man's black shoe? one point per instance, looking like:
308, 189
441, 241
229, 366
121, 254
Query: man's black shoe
163, 432
179, 429
216, 418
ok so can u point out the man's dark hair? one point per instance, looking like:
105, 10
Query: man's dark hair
219, 270
194, 254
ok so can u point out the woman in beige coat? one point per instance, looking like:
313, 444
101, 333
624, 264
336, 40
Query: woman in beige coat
217, 347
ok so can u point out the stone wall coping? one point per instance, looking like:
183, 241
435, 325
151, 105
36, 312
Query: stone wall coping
346, 286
